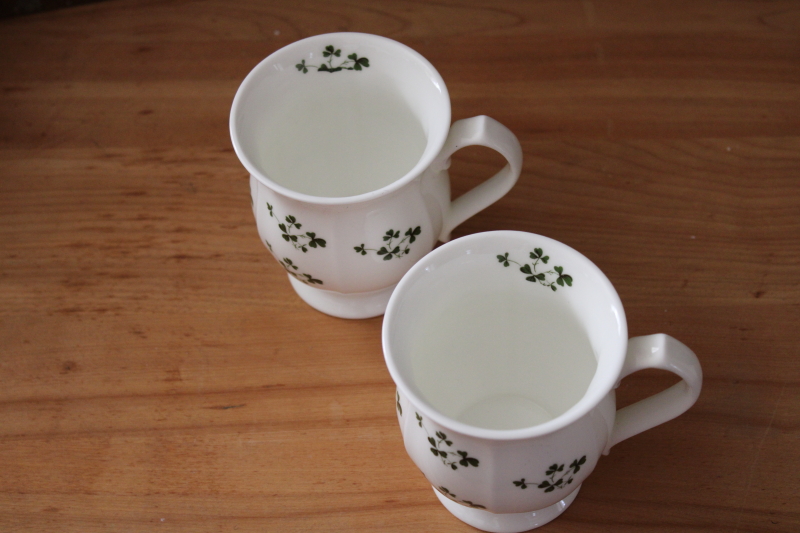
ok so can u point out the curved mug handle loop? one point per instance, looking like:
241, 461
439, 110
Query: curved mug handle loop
667, 353
480, 131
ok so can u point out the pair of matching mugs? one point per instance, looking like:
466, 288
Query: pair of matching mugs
505, 347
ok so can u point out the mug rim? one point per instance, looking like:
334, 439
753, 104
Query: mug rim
589, 401
419, 167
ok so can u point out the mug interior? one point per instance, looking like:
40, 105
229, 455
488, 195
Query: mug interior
310, 131
504, 332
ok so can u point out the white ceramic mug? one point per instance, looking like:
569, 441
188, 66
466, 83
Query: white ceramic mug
347, 139
506, 348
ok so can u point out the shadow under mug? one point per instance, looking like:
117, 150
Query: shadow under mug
347, 139
506, 348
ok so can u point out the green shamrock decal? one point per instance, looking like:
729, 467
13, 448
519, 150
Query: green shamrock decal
353, 62
392, 247
449, 458
300, 241
453, 497
292, 269
552, 483
548, 278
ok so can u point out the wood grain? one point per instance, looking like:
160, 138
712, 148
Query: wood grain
158, 371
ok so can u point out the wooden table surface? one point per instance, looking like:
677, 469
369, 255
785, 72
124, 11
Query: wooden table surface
158, 373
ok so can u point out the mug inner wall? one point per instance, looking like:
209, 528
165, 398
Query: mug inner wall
484, 346
345, 133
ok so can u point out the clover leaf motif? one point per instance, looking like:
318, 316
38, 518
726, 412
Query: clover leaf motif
392, 248
331, 51
292, 269
453, 497
577, 463
563, 278
453, 459
537, 253
358, 62
412, 234
310, 280
466, 460
353, 62
315, 241
551, 483
299, 241
548, 278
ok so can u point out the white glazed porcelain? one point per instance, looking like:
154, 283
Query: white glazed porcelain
335, 249
518, 479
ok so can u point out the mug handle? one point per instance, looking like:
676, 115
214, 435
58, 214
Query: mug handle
667, 353
480, 131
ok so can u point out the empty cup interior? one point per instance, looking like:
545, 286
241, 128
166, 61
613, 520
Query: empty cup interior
505, 333
300, 123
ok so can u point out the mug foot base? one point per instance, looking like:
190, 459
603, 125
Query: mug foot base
354, 305
506, 523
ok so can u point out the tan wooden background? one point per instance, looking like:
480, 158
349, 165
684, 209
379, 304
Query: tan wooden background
157, 372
